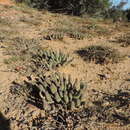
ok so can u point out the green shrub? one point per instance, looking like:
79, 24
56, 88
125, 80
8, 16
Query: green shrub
75, 7
128, 14
124, 40
99, 54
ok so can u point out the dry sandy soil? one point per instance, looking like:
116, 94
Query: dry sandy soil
20, 21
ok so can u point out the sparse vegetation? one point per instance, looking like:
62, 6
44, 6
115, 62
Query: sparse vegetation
61, 120
2, 38
22, 47
99, 54
35, 59
13, 59
21, 50
124, 40
30, 21
4, 21
69, 30
6, 34
113, 107
37, 48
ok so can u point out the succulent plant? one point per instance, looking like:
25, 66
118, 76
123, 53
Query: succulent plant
124, 40
54, 36
48, 59
59, 92
92, 26
77, 35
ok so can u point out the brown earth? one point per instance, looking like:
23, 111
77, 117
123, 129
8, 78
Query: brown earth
27, 23
6, 2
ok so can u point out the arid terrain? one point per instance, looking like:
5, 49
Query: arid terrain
108, 84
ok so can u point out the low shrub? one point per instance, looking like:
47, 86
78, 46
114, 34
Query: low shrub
99, 54
124, 40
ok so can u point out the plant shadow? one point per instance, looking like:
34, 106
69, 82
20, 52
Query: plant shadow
31, 93
4, 123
